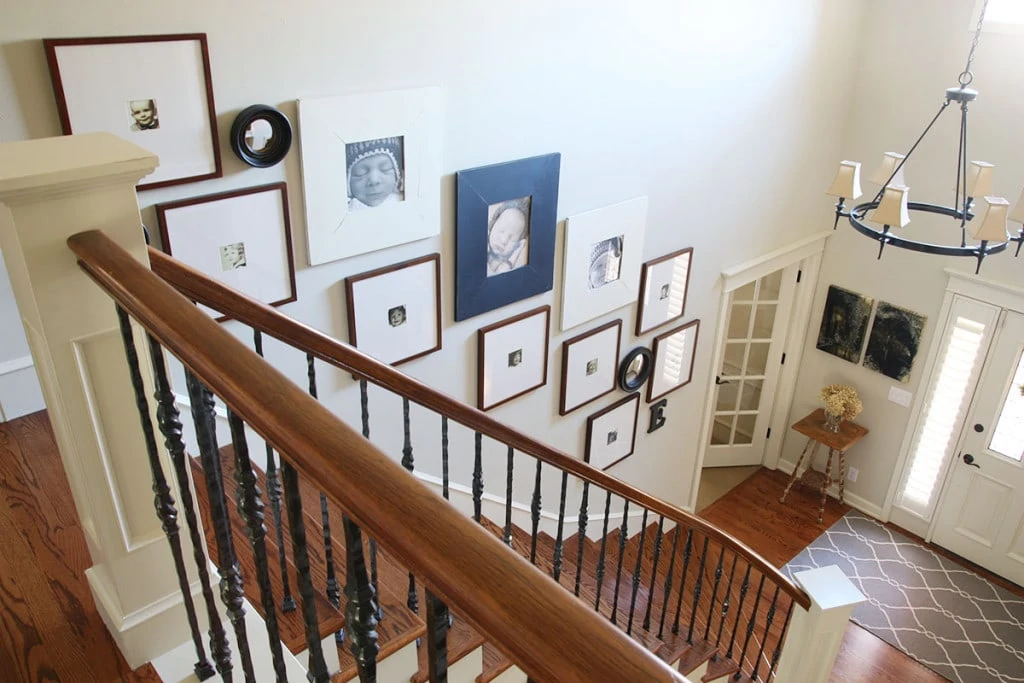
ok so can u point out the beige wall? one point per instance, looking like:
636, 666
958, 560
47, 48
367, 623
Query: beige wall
910, 53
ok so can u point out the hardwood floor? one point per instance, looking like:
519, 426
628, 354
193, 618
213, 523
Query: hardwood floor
49, 627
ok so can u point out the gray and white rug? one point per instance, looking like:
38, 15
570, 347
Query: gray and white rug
947, 617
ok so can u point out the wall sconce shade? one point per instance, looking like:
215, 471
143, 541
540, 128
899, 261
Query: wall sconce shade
993, 225
847, 181
893, 210
889, 163
979, 179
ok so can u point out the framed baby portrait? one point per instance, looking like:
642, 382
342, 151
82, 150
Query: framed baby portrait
154, 91
504, 233
371, 169
611, 433
241, 238
588, 366
394, 313
664, 283
603, 251
512, 357
673, 360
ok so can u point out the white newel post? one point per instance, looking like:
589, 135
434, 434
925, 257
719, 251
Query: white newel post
51, 189
814, 637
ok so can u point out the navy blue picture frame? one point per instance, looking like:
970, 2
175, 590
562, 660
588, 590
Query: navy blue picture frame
476, 190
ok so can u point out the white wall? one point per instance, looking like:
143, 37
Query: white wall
912, 51
717, 111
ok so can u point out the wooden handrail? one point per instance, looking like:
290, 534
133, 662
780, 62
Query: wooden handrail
547, 631
202, 289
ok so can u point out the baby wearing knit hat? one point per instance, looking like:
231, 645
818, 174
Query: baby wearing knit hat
375, 172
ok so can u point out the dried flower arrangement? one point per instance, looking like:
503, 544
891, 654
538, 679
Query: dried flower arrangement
842, 400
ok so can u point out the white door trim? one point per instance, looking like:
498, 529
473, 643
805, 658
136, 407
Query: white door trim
808, 251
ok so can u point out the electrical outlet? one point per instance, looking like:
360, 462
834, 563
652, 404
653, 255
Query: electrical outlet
900, 396
851, 474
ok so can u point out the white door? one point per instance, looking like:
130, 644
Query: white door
981, 513
755, 335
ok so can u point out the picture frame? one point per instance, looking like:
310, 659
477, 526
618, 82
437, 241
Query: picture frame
844, 323
611, 433
261, 136
588, 366
506, 216
894, 341
635, 369
674, 352
386, 146
664, 286
512, 357
241, 238
602, 256
394, 312
155, 91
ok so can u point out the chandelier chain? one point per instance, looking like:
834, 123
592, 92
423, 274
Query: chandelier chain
966, 77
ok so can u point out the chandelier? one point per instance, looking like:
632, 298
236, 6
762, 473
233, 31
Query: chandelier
891, 207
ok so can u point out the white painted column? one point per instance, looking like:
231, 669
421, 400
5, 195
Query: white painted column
51, 189
814, 637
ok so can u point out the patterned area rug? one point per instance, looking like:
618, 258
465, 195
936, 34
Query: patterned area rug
956, 623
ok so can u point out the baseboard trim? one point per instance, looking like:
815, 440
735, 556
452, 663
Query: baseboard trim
852, 499
16, 365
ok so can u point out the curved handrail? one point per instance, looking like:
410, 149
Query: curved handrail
461, 563
204, 290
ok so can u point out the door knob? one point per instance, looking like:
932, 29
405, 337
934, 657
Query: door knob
979, 428
719, 381
969, 459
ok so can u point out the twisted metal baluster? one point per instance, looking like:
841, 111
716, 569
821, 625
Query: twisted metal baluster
682, 581
250, 507
744, 587
581, 536
654, 570
361, 606
601, 554
767, 628
364, 410
714, 593
535, 515
750, 630
636, 573
231, 590
409, 463
778, 646
478, 475
333, 589
698, 587
444, 456
163, 501
507, 537
623, 533
726, 603
561, 526
437, 638
668, 582
274, 494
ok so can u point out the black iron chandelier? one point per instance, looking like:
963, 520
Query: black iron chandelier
891, 208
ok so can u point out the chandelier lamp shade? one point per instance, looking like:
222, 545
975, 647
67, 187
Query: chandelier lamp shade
892, 209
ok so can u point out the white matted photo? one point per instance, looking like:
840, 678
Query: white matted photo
603, 251
611, 433
512, 357
154, 91
394, 313
589, 365
673, 360
664, 283
241, 238
371, 169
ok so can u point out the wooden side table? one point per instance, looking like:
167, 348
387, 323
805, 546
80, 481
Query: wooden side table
813, 427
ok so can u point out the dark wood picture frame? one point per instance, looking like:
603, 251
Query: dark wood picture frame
165, 239
351, 280
67, 125
634, 398
642, 300
477, 189
568, 344
482, 352
658, 341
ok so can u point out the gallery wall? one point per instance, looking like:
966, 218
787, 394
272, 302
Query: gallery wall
722, 118
911, 51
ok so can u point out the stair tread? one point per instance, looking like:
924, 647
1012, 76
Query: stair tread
463, 640
496, 663
719, 667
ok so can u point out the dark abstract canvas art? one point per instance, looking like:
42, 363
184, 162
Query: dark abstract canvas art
844, 323
894, 340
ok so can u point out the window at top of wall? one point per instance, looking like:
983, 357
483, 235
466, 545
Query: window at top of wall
1001, 15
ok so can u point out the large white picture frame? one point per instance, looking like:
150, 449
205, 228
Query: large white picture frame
398, 135
603, 252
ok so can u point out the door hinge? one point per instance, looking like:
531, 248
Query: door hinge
799, 274
769, 434
783, 359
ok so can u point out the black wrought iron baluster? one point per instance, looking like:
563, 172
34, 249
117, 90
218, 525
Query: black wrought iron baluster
769, 620
714, 592
250, 507
535, 515
409, 463
726, 603
333, 589
636, 573
163, 501
668, 581
364, 411
744, 587
687, 549
507, 537
698, 587
778, 646
750, 630
623, 532
437, 639
274, 494
478, 475
561, 528
304, 580
654, 570
231, 590
444, 456
581, 536
361, 604
601, 553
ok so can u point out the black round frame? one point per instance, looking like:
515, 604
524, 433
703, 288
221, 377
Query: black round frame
642, 376
280, 141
